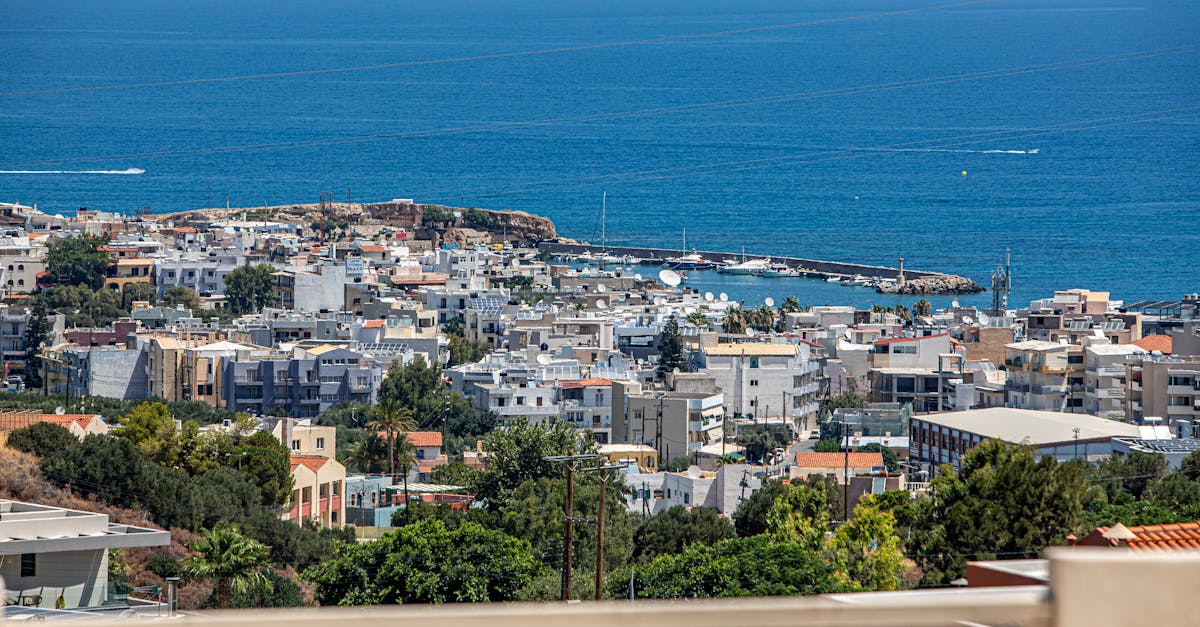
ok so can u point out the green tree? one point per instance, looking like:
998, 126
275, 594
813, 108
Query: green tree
249, 288
232, 561
83, 306
434, 215
670, 348
37, 333
149, 419
922, 308
517, 453
78, 260
697, 319
867, 549
1132, 473
464, 351
734, 322
391, 418
41, 439
133, 292
455, 473
791, 305
828, 445
1004, 503
750, 518
759, 439
369, 455
750, 566
268, 462
534, 512
177, 295
677, 528
889, 456
849, 400
426, 562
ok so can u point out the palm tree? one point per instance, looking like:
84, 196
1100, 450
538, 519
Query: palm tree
368, 456
735, 320
391, 417
234, 562
697, 319
791, 304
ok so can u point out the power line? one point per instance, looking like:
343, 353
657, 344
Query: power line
501, 55
1069, 64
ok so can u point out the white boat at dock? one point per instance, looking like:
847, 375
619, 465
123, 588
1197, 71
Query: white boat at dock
691, 261
780, 271
750, 266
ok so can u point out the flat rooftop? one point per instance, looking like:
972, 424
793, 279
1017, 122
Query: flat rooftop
1027, 425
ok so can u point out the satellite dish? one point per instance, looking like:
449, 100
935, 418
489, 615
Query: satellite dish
543, 359
724, 297
694, 471
59, 410
670, 278
600, 304
637, 277
769, 302
983, 319
708, 296
967, 320
751, 332
601, 288
954, 303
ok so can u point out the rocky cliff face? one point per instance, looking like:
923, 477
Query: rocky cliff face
937, 284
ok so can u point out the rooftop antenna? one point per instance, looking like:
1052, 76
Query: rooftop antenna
1001, 285
603, 208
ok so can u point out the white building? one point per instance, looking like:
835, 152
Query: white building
1104, 379
52, 557
765, 380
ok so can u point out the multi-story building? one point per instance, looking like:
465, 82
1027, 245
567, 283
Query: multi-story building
1161, 386
509, 400
304, 385
765, 379
318, 491
944, 438
1045, 376
587, 404
675, 423
203, 273
1104, 379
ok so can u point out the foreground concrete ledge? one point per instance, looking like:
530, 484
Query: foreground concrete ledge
1094, 587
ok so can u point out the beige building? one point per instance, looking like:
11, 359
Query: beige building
1164, 387
306, 439
674, 423
1045, 376
318, 491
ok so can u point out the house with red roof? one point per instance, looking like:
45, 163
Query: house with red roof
80, 425
837, 466
1173, 537
318, 491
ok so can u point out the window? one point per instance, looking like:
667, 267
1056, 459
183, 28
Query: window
29, 564
754, 382
295, 445
323, 490
904, 349
320, 444
337, 488
333, 517
1074, 359
753, 362
687, 498
520, 400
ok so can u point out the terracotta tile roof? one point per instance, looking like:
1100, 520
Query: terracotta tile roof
897, 340
837, 460
185, 229
1160, 343
373, 324
373, 249
311, 462
1177, 536
583, 383
423, 438
17, 420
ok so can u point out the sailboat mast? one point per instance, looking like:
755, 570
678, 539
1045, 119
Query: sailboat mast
603, 207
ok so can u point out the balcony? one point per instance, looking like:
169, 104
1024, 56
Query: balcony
1016, 387
1109, 371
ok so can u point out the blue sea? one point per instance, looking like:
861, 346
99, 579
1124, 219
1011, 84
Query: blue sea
825, 129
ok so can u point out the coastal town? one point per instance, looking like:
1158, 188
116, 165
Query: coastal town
364, 398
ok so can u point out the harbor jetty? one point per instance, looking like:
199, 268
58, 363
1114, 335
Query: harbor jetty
900, 280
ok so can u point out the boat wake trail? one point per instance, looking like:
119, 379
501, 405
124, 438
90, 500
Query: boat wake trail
127, 171
1031, 151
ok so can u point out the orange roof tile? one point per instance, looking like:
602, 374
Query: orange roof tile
311, 462
1177, 536
373, 324
373, 249
185, 229
837, 460
17, 420
423, 438
1160, 343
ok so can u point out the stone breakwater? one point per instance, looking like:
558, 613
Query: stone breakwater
933, 285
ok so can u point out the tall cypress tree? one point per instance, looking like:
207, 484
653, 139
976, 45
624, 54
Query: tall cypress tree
37, 331
670, 348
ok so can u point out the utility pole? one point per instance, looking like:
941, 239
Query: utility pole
845, 474
572, 462
602, 472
